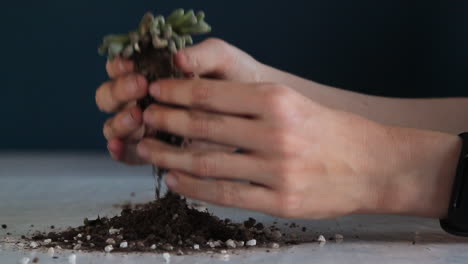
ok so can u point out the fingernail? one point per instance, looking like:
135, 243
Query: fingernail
147, 116
143, 150
155, 89
171, 180
128, 120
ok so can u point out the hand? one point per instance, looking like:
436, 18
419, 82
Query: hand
212, 58
302, 160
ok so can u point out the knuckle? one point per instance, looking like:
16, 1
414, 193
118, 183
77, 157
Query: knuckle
216, 42
226, 194
200, 125
200, 95
225, 51
276, 97
204, 164
283, 171
289, 205
282, 142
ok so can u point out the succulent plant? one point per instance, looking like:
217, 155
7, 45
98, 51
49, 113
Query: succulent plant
151, 47
173, 33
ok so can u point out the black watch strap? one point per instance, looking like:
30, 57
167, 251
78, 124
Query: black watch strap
456, 222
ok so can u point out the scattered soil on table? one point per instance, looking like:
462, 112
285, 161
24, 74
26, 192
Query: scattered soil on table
167, 224
4, 226
35, 260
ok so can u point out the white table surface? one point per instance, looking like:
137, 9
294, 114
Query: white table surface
61, 189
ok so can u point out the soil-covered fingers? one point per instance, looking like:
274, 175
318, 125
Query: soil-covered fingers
222, 192
119, 67
127, 125
113, 95
210, 164
224, 129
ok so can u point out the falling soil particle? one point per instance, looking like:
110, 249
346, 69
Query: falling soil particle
154, 224
4, 226
35, 260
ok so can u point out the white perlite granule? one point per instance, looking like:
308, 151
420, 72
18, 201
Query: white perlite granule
47, 241
108, 248
196, 247
210, 244
77, 247
51, 252
251, 243
240, 243
276, 234
167, 257
110, 241
274, 245
153, 247
230, 243
33, 245
79, 236
124, 244
113, 231
88, 237
218, 243
72, 259
321, 239
24, 260
339, 237
223, 251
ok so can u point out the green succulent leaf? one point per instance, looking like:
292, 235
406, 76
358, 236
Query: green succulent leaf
175, 16
201, 28
173, 33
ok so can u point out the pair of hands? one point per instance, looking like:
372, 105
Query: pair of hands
301, 159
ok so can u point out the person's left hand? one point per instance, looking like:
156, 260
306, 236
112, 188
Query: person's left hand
300, 160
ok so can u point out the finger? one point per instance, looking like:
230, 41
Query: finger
124, 152
115, 148
113, 95
225, 193
218, 96
119, 67
212, 164
211, 57
213, 127
124, 124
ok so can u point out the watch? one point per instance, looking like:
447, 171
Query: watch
456, 222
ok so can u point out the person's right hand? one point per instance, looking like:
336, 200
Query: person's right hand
212, 58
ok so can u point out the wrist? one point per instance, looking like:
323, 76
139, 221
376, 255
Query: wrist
425, 166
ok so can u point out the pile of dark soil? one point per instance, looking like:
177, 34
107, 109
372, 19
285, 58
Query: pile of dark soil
167, 224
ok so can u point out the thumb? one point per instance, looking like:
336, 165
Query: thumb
211, 57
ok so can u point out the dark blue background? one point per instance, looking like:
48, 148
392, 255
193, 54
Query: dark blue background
50, 67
